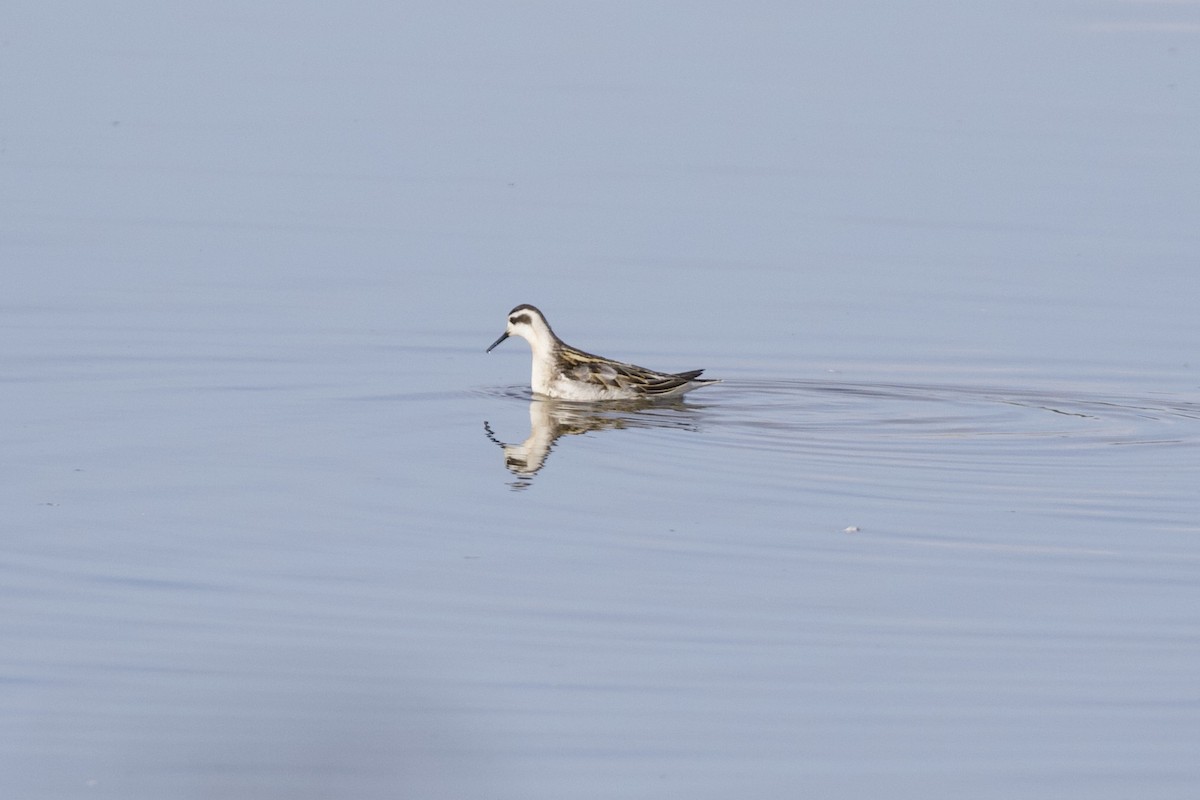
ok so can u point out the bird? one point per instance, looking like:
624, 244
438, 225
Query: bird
562, 372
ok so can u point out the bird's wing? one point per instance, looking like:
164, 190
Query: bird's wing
589, 368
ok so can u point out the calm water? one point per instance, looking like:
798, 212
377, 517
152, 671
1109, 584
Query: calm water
275, 526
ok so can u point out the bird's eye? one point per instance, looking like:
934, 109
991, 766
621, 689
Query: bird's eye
517, 320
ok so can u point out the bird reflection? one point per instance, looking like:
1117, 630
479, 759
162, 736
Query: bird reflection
551, 419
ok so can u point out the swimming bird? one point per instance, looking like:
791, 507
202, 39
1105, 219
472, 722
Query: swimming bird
564, 373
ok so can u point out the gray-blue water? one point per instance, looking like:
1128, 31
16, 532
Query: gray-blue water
273, 525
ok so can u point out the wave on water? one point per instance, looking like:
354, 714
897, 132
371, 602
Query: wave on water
846, 425
779, 411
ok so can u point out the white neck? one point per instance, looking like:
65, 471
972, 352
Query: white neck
542, 342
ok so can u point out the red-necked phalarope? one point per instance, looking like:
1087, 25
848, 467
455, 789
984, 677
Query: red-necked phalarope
564, 373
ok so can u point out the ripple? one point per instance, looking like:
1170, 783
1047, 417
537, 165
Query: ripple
1070, 455
808, 414
504, 392
918, 423
815, 415
885, 450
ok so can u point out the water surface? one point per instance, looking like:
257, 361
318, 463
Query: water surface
275, 525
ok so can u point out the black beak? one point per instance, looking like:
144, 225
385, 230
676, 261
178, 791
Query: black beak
503, 336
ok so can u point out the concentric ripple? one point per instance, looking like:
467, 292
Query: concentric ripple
811, 414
